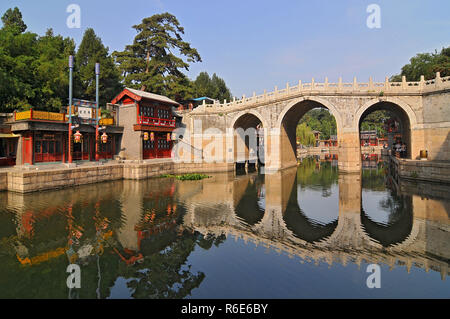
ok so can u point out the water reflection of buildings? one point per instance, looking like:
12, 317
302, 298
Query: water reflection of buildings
144, 230
417, 233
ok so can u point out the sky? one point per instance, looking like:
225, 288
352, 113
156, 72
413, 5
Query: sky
257, 45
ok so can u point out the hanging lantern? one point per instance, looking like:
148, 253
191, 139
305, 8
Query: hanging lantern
152, 136
77, 137
168, 137
104, 138
145, 136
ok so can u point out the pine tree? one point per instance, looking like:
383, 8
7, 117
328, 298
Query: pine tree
93, 51
12, 19
151, 63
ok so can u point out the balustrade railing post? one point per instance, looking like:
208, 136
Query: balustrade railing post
386, 84
340, 83
287, 88
370, 84
438, 80
422, 82
312, 84
326, 83
300, 85
355, 84
403, 82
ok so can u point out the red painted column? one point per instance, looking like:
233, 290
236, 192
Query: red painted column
97, 156
63, 147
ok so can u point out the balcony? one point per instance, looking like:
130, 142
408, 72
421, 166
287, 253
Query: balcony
39, 116
106, 121
153, 121
59, 117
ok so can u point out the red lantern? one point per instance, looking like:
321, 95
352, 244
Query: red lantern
104, 138
77, 137
168, 137
152, 136
145, 136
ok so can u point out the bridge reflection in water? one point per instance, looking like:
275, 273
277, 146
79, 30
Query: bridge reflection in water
139, 238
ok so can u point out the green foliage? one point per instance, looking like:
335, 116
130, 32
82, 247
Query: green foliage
305, 135
312, 175
375, 121
320, 120
12, 20
426, 64
187, 177
33, 70
150, 62
213, 87
93, 51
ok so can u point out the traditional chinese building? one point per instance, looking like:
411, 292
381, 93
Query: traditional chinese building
43, 137
331, 142
148, 120
8, 141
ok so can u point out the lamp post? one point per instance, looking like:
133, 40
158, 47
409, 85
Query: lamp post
97, 74
70, 108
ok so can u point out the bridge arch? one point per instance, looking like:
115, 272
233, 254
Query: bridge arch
287, 122
400, 110
318, 100
241, 115
248, 146
404, 106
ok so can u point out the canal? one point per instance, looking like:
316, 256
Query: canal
306, 232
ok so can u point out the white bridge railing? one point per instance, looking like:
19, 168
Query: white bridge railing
355, 87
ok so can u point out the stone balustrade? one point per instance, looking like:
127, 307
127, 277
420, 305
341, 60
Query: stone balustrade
353, 88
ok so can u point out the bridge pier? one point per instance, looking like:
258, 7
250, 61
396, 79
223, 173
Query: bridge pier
349, 157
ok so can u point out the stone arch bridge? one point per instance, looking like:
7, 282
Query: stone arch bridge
423, 108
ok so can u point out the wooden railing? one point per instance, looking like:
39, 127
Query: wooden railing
54, 117
40, 116
146, 120
106, 121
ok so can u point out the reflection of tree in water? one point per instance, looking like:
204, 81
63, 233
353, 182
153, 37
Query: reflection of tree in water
316, 175
92, 226
400, 220
399, 209
166, 274
374, 179
303, 227
249, 208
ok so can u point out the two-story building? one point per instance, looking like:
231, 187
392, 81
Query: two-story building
148, 120
43, 137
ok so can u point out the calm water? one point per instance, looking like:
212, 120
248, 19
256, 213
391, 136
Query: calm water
307, 232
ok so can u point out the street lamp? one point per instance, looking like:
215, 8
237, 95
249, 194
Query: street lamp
97, 74
70, 107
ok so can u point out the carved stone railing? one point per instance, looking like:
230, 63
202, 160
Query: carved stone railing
340, 87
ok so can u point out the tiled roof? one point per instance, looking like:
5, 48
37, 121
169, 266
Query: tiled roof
152, 96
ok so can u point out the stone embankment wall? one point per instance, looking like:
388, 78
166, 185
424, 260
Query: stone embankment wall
26, 181
432, 171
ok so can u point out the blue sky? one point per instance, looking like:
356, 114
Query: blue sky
255, 45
